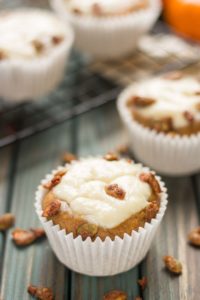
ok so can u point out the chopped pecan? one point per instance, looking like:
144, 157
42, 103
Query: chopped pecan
96, 9
173, 75
151, 210
198, 106
152, 181
194, 237
87, 230
68, 157
142, 282
115, 295
38, 46
26, 237
140, 102
164, 125
41, 293
197, 93
77, 11
115, 191
52, 209
6, 221
56, 39
172, 264
3, 55
55, 180
188, 116
111, 156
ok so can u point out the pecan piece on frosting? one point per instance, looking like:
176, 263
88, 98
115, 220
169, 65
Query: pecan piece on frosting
142, 282
41, 293
23, 237
172, 264
115, 191
194, 237
115, 295
6, 221
198, 106
55, 180
87, 230
151, 180
52, 209
56, 39
188, 116
111, 156
38, 46
173, 75
96, 9
3, 55
165, 124
140, 102
68, 157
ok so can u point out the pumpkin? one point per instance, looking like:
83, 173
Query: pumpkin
184, 16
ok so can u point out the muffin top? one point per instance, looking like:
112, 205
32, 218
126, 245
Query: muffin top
28, 34
105, 7
168, 104
103, 192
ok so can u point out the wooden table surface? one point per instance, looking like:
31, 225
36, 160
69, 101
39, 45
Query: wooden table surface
23, 165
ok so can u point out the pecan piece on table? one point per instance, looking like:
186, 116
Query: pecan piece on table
172, 264
55, 180
188, 116
115, 191
111, 156
87, 230
151, 180
143, 282
68, 157
194, 237
23, 237
115, 295
6, 221
140, 102
41, 293
52, 209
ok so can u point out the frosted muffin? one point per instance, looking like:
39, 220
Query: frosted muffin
34, 46
108, 29
96, 208
167, 105
162, 116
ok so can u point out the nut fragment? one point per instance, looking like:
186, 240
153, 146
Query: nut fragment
173, 75
87, 230
194, 237
26, 237
38, 46
6, 221
140, 102
111, 156
52, 209
41, 293
142, 282
151, 180
56, 39
115, 191
115, 295
77, 11
165, 124
198, 106
172, 264
96, 9
3, 55
55, 180
188, 116
68, 157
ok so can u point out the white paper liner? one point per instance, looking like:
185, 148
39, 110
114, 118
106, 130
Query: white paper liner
178, 155
24, 80
109, 37
99, 258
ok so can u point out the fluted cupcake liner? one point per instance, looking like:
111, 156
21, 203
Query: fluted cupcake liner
109, 37
23, 79
170, 155
100, 258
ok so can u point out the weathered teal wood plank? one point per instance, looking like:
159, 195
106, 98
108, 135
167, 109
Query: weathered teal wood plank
100, 131
35, 264
171, 239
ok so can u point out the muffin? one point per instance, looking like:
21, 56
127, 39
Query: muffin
100, 205
162, 115
108, 29
34, 46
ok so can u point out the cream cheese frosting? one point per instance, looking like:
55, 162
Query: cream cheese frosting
82, 191
107, 7
172, 99
21, 28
